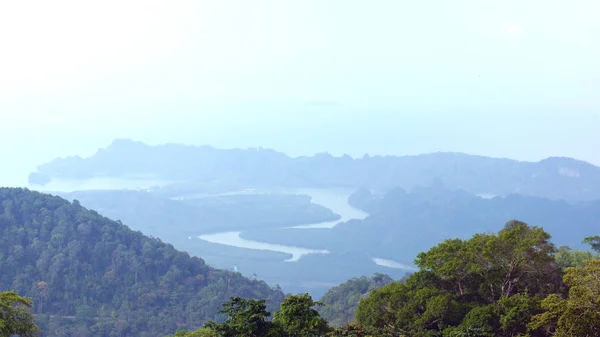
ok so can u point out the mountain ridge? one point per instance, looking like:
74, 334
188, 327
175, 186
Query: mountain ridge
553, 177
121, 142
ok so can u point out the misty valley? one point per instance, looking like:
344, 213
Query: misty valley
215, 226
309, 168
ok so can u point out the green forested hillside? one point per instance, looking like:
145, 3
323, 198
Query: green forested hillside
91, 276
340, 303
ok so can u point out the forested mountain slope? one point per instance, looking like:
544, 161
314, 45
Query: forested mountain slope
91, 276
340, 302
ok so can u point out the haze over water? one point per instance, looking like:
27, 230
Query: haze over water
301, 77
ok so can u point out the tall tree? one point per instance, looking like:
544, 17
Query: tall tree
523, 258
594, 242
489, 285
298, 317
519, 257
246, 318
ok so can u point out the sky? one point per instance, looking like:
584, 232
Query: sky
516, 79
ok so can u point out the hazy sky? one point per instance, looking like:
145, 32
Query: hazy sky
517, 79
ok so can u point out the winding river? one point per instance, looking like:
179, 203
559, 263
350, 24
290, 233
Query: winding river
334, 199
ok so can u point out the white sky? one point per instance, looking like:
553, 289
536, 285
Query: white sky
518, 79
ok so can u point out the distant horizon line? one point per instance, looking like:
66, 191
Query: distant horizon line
345, 155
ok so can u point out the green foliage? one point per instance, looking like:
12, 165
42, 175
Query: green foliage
577, 315
519, 257
15, 318
340, 302
203, 332
467, 332
452, 261
357, 330
482, 320
383, 306
515, 313
566, 257
489, 285
298, 318
249, 318
92, 276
